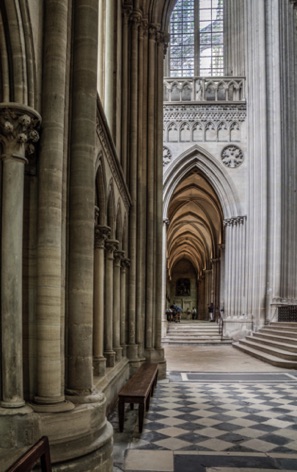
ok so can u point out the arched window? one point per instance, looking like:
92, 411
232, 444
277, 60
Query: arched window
196, 39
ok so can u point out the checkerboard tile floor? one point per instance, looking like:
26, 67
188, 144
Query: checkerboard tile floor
218, 419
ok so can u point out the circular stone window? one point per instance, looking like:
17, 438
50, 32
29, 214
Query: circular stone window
232, 156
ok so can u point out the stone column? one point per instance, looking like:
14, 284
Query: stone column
110, 64
158, 306
256, 74
132, 178
50, 306
17, 136
111, 245
81, 201
288, 124
164, 276
125, 264
234, 38
150, 239
118, 255
141, 204
235, 266
125, 89
201, 301
101, 235
215, 285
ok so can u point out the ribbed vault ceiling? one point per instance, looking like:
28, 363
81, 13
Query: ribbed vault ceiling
195, 223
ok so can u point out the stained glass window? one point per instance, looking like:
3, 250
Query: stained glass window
196, 39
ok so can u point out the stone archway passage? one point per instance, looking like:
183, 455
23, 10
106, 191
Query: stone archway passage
194, 239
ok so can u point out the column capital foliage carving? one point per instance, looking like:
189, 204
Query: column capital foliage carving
125, 263
135, 18
18, 129
234, 221
294, 2
102, 233
111, 245
152, 31
118, 256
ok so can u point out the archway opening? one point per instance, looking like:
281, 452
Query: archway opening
194, 239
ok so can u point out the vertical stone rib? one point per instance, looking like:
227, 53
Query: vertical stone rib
133, 182
150, 188
110, 64
82, 197
159, 193
140, 285
125, 91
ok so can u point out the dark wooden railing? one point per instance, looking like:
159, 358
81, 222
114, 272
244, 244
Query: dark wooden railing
38, 452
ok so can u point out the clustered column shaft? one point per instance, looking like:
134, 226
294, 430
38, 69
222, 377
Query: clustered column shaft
17, 134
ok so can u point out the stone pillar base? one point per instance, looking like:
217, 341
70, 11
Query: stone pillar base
118, 353
110, 358
99, 364
132, 352
124, 350
51, 407
86, 449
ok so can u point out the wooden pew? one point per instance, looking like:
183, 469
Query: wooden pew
139, 389
38, 452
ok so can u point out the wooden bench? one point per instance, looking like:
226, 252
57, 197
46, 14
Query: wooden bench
139, 389
38, 452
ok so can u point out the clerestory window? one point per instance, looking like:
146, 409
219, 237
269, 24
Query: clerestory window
196, 45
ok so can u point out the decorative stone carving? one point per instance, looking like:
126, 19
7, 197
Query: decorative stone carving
18, 130
234, 221
125, 263
118, 256
111, 246
167, 156
213, 113
232, 156
102, 233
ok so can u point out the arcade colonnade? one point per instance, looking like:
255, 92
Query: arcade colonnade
81, 120
81, 219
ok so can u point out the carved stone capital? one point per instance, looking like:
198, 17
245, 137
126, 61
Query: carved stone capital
294, 2
118, 256
125, 263
101, 235
135, 18
152, 32
111, 245
166, 221
18, 130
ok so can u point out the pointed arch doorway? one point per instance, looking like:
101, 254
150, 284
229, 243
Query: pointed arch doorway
204, 237
194, 239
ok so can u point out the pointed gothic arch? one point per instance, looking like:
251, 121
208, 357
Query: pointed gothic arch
197, 158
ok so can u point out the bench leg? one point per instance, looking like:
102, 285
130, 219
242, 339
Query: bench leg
147, 402
121, 407
141, 416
